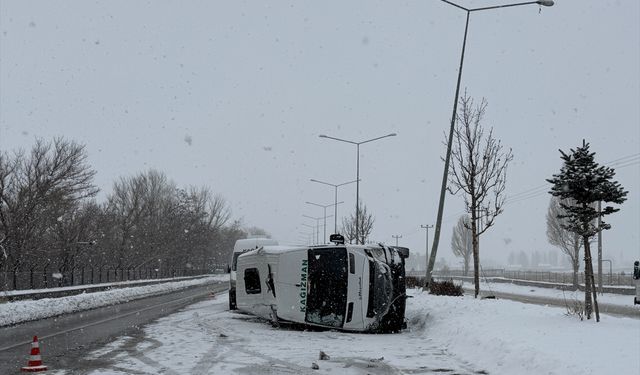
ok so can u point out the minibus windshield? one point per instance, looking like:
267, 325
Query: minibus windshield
327, 295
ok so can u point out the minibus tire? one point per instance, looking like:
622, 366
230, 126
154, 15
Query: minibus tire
232, 299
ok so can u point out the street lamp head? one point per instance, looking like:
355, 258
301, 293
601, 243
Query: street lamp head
394, 134
546, 3
322, 136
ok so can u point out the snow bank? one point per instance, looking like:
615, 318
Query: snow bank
506, 337
22, 311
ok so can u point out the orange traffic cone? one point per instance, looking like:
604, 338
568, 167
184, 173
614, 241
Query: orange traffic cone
35, 361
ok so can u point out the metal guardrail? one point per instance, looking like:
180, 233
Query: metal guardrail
615, 279
34, 294
49, 277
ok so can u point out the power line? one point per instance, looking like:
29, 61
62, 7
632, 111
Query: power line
622, 162
636, 162
625, 161
632, 156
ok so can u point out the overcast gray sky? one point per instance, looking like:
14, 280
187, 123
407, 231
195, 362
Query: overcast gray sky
233, 95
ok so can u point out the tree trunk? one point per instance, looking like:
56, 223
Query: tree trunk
587, 278
466, 266
588, 267
476, 255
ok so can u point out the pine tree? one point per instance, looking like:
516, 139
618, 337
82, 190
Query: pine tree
586, 183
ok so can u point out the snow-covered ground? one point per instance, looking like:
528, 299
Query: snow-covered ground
26, 310
569, 296
445, 335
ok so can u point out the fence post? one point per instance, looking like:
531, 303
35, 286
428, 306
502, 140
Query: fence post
15, 278
44, 277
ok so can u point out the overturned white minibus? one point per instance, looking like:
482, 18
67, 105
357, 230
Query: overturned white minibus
346, 287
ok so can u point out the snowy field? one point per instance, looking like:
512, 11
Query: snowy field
26, 310
446, 335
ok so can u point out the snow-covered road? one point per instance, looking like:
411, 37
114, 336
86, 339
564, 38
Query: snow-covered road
446, 335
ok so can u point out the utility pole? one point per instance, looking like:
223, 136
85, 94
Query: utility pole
426, 250
600, 247
397, 237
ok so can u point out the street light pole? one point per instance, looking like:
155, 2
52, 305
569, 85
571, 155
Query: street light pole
397, 237
317, 219
335, 229
357, 170
443, 188
312, 233
324, 207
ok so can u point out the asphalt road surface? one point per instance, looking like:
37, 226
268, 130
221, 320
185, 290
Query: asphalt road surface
630, 311
65, 340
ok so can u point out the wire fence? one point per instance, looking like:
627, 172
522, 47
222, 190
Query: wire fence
611, 279
49, 277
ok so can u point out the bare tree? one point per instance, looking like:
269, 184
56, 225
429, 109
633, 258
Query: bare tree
479, 171
462, 241
72, 236
366, 221
569, 242
34, 188
48, 220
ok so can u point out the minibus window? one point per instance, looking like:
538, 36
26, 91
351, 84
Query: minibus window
352, 263
350, 312
252, 281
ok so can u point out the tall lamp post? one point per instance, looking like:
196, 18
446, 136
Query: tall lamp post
313, 233
324, 207
317, 219
307, 236
436, 237
336, 186
357, 170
